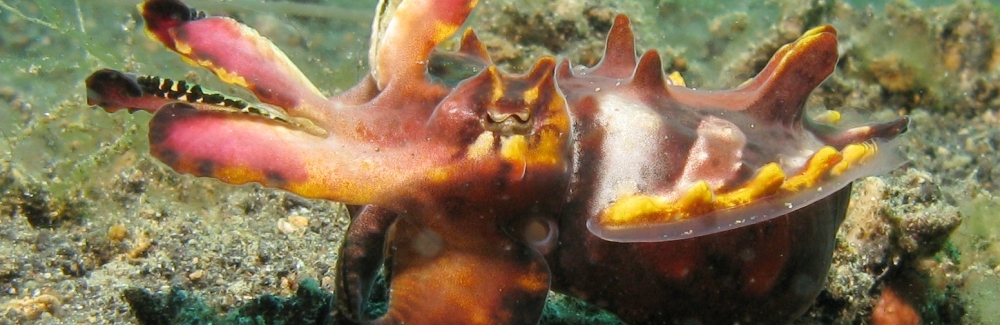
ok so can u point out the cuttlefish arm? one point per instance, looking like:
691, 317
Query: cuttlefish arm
237, 54
293, 138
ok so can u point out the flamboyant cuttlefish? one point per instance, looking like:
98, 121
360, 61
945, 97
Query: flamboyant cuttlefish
482, 191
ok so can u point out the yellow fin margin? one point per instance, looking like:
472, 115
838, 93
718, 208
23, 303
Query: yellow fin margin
770, 180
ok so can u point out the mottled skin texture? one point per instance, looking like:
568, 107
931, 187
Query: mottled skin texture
766, 273
479, 191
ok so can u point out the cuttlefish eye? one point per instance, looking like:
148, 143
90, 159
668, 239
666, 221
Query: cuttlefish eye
507, 123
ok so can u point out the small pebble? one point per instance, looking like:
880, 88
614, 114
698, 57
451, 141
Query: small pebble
196, 275
286, 227
299, 221
117, 233
293, 224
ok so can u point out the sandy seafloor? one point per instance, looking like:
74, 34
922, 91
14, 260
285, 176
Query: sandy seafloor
86, 212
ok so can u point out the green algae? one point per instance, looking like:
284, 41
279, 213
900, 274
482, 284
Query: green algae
979, 236
310, 305
980, 292
978, 240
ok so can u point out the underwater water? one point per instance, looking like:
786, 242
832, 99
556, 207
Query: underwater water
93, 229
